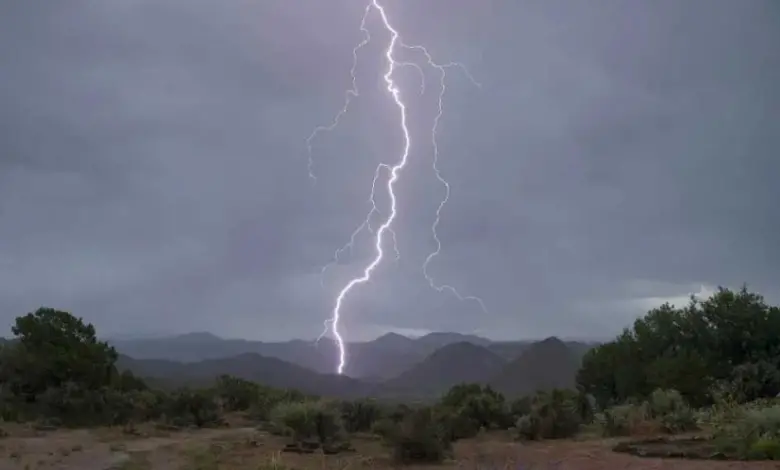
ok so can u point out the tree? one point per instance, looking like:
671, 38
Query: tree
729, 338
54, 348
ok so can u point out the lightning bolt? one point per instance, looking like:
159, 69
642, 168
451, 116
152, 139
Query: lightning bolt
394, 171
349, 95
442, 69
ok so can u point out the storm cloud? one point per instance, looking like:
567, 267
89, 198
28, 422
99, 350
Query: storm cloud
153, 163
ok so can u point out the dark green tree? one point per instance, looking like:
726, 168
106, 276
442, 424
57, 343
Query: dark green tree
730, 338
54, 348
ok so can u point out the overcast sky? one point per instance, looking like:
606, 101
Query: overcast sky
153, 163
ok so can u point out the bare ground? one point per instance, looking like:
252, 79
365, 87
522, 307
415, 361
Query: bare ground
245, 448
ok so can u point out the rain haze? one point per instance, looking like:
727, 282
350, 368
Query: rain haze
154, 172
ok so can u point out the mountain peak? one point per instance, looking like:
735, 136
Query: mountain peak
460, 362
393, 340
440, 339
544, 365
197, 336
550, 342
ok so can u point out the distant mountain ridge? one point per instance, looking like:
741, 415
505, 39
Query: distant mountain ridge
392, 365
384, 357
268, 371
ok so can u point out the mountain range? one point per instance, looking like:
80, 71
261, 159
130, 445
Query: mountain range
391, 366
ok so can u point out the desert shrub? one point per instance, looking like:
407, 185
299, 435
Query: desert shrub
144, 405
399, 412
236, 394
585, 403
671, 410
268, 398
764, 448
663, 402
193, 407
72, 405
751, 432
360, 415
264, 403
764, 422
665, 411
421, 437
455, 423
724, 412
471, 406
459, 394
384, 427
553, 415
625, 420
309, 420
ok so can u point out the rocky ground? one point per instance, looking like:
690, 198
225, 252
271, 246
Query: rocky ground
245, 448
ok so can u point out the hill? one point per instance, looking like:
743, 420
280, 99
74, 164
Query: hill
267, 371
544, 365
436, 340
450, 365
509, 350
380, 359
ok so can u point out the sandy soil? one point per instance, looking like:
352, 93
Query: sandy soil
245, 448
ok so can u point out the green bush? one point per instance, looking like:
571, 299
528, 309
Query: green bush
665, 411
309, 420
399, 412
473, 406
360, 415
267, 399
750, 432
671, 410
624, 420
384, 427
553, 415
193, 407
236, 394
457, 424
764, 448
421, 437
760, 423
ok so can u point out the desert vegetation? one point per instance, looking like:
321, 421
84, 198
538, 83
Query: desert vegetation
696, 382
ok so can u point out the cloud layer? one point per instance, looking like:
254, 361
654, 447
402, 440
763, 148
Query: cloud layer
153, 163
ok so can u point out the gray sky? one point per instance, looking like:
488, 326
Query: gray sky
153, 165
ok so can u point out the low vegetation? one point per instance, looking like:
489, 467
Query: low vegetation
710, 368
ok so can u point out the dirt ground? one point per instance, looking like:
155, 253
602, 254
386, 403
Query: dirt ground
245, 448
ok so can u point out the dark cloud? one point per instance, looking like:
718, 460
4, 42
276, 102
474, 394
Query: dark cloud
153, 167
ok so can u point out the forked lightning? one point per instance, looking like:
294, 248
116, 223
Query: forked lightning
393, 172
